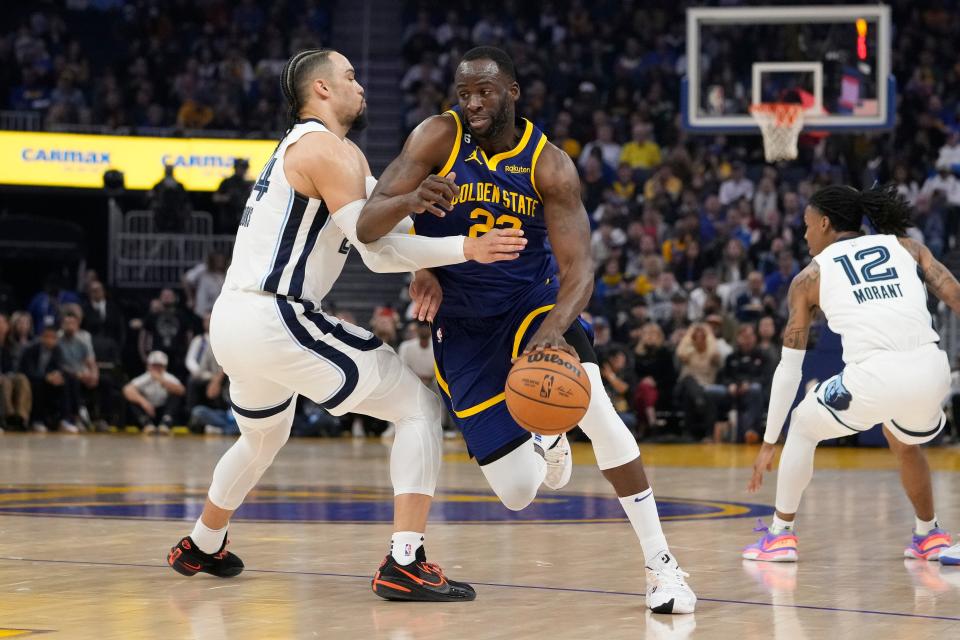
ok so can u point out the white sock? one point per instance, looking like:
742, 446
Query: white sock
641, 509
209, 540
404, 545
779, 525
923, 527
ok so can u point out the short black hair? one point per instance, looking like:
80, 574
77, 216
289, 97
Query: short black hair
501, 57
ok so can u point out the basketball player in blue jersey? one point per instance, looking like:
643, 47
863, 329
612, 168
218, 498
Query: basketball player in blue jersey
471, 170
871, 290
273, 340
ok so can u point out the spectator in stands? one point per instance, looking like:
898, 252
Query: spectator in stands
168, 329
53, 402
619, 382
769, 344
655, 371
231, 196
16, 398
102, 317
609, 149
664, 296
154, 395
45, 306
384, 323
765, 202
203, 368
752, 303
642, 152
736, 186
709, 285
945, 182
745, 374
696, 390
778, 282
950, 151
170, 204
78, 364
906, 185
21, 328
202, 283
417, 353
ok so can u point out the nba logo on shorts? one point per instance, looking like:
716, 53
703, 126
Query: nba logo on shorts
408, 549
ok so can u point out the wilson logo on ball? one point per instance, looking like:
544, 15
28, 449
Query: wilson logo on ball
553, 358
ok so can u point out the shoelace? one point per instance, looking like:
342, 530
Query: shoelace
672, 575
761, 527
220, 555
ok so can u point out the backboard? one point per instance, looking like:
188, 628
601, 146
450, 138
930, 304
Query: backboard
835, 60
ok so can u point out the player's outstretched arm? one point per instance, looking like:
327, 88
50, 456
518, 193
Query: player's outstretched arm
803, 299
943, 284
409, 184
569, 230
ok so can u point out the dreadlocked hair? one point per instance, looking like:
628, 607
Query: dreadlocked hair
885, 208
295, 72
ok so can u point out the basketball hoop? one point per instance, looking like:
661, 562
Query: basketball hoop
780, 123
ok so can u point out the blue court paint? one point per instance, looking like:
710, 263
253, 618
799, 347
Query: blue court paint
342, 504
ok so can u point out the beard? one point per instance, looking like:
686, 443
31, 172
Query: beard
360, 121
498, 122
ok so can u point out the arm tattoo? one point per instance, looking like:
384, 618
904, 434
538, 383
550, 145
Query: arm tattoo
797, 332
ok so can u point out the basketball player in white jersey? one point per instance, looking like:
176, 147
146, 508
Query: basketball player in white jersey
273, 340
871, 291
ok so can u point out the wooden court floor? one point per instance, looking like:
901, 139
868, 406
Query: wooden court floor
85, 523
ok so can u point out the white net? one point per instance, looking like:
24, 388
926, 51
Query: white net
780, 124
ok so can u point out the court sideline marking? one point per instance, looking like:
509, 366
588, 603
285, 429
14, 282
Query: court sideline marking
515, 586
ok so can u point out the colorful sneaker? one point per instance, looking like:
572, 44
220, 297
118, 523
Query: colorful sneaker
929, 546
559, 460
420, 581
772, 547
667, 591
187, 559
950, 556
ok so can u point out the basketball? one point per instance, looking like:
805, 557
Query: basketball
547, 392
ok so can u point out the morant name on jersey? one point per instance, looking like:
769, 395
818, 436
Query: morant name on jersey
872, 296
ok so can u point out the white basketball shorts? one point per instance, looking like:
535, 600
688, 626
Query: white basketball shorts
901, 389
272, 347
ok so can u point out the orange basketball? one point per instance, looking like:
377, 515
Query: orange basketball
547, 392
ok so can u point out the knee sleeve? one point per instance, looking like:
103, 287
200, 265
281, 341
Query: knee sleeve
401, 398
242, 465
613, 445
516, 476
417, 446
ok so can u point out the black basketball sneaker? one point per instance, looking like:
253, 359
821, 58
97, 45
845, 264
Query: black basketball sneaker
419, 581
187, 559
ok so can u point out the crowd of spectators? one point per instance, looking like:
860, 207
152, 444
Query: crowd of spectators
695, 238
156, 67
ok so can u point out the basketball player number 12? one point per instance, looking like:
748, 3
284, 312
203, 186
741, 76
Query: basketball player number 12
868, 271
505, 221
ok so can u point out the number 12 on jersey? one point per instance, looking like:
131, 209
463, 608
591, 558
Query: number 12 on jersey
868, 271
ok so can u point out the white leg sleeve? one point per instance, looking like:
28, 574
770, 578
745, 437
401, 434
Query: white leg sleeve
402, 399
796, 460
516, 476
242, 465
613, 444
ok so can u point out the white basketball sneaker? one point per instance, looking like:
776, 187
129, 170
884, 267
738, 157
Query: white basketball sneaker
667, 592
556, 452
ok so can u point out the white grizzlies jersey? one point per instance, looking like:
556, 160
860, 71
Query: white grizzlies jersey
286, 243
873, 297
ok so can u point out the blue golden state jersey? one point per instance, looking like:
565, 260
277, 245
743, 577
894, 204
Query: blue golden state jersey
495, 192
